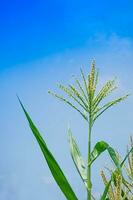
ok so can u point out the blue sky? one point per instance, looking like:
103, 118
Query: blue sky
45, 43
31, 30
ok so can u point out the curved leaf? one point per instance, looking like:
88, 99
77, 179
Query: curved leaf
52, 163
98, 149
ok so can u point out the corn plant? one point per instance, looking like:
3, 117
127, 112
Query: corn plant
88, 103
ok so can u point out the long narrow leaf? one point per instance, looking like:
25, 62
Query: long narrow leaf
52, 163
77, 158
127, 155
115, 158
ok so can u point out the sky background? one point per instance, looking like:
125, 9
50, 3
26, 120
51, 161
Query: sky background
43, 43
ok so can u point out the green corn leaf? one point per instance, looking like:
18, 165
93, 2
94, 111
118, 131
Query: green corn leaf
104, 195
115, 158
77, 158
52, 163
98, 149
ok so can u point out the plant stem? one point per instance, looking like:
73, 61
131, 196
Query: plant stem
89, 160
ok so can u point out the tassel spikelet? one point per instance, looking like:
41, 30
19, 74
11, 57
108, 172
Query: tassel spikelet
91, 87
91, 79
92, 75
118, 187
85, 95
104, 177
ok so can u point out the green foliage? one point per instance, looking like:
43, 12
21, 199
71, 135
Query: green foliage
52, 163
77, 158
